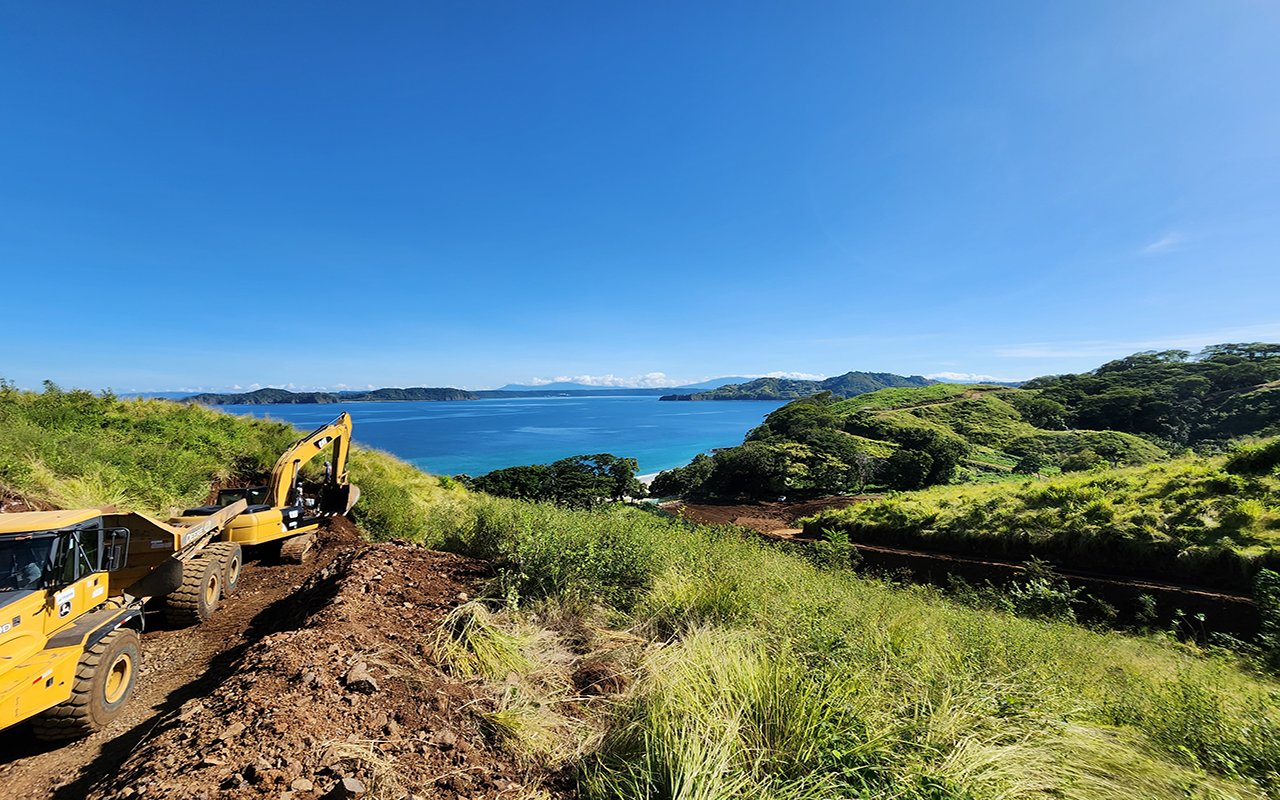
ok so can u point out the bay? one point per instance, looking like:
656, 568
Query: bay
478, 436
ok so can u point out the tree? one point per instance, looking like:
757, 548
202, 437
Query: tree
582, 481
532, 482
863, 469
756, 469
683, 481
577, 481
908, 470
1030, 464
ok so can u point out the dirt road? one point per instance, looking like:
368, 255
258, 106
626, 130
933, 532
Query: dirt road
267, 698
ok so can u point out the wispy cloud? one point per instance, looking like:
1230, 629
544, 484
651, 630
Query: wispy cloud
791, 376
965, 377
1120, 347
650, 380
1169, 243
657, 380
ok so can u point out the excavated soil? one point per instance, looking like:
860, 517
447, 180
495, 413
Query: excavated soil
773, 519
1122, 595
312, 681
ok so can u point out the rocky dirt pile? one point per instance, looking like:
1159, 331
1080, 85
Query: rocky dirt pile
773, 519
342, 699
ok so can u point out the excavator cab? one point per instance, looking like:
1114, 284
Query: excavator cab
258, 498
288, 509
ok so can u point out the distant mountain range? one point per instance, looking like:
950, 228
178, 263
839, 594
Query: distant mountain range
561, 386
263, 397
850, 384
847, 385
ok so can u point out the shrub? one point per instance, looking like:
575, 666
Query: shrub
1261, 459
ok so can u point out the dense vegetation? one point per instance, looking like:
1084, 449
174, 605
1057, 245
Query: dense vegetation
1208, 519
754, 672
1133, 411
849, 384
577, 481
284, 397
75, 449
1225, 391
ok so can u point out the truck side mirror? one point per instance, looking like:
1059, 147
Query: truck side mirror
115, 549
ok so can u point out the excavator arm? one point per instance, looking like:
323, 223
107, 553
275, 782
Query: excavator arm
339, 494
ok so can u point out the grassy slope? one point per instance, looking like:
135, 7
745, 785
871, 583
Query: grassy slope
834, 685
988, 422
1184, 518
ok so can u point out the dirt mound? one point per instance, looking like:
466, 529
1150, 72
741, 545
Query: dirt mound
341, 700
775, 519
314, 680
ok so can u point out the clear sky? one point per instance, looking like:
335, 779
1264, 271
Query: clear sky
471, 193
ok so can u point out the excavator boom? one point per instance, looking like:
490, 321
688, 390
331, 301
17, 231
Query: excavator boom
284, 476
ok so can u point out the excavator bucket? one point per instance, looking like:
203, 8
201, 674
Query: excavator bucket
340, 499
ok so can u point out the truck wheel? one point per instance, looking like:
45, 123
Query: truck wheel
197, 598
295, 549
104, 680
232, 558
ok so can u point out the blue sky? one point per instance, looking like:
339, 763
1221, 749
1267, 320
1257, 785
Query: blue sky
220, 195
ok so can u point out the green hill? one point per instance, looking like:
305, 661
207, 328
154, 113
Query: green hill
1208, 519
1224, 391
918, 433
849, 384
285, 397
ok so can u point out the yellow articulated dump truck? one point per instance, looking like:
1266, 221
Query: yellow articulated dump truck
288, 510
72, 588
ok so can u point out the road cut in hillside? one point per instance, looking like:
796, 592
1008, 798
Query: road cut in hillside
312, 681
1195, 611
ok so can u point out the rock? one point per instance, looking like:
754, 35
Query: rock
256, 770
360, 680
345, 789
445, 740
302, 785
458, 783
232, 732
463, 596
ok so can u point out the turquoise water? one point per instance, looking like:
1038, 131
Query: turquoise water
477, 436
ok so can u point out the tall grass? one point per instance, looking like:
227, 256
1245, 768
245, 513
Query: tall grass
78, 449
1186, 518
769, 676
941, 701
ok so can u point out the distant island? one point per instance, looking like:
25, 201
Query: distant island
264, 397
850, 384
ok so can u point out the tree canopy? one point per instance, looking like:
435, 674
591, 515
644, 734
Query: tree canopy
578, 481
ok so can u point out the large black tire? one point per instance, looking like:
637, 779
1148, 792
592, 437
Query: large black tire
104, 680
201, 590
232, 558
296, 549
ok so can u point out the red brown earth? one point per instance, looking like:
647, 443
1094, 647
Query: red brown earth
312, 681
773, 519
1176, 604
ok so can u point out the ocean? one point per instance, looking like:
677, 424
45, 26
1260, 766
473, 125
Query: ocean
478, 436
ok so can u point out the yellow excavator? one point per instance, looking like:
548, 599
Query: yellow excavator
72, 589
288, 510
